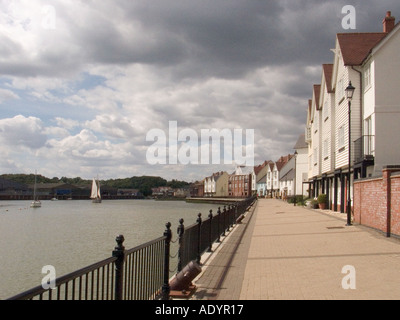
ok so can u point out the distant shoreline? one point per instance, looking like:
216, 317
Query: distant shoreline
214, 200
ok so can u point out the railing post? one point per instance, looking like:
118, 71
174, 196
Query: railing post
229, 217
210, 233
218, 224
180, 231
224, 225
199, 238
165, 287
236, 214
119, 253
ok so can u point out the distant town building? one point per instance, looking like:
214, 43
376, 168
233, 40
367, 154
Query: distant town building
242, 182
216, 185
196, 189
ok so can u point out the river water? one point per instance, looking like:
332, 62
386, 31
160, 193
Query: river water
70, 235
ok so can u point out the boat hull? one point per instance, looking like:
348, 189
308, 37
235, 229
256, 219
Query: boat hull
36, 204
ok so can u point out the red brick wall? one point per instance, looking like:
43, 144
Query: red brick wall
371, 204
395, 204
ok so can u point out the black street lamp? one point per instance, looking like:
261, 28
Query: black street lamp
349, 95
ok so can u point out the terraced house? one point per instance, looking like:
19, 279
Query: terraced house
352, 138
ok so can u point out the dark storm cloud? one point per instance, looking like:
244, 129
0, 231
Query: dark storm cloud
193, 39
247, 64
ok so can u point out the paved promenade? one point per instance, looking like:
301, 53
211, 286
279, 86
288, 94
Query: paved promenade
281, 251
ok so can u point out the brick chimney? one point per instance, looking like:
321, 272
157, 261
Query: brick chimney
388, 22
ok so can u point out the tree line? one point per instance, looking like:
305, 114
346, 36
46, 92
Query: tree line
144, 183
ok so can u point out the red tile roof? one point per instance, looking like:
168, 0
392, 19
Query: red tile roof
355, 47
328, 69
317, 91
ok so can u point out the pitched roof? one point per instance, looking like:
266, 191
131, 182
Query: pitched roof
283, 160
328, 70
355, 47
301, 142
288, 175
264, 177
258, 168
244, 170
317, 89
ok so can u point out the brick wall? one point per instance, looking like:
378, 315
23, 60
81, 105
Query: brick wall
395, 204
377, 201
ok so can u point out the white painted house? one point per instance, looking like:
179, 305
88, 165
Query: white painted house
301, 177
379, 143
286, 179
369, 128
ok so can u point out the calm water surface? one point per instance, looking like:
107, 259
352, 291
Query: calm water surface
70, 235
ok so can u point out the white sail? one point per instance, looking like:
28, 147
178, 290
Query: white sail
94, 193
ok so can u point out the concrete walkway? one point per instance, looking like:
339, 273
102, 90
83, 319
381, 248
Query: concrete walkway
281, 251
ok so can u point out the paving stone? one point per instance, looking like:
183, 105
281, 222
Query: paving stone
281, 251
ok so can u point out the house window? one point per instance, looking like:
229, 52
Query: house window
369, 146
367, 77
341, 138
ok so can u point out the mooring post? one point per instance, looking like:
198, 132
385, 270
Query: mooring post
180, 231
168, 236
119, 253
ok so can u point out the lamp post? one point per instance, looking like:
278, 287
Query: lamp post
295, 172
349, 95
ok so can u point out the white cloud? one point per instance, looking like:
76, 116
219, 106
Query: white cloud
22, 132
7, 95
66, 123
88, 88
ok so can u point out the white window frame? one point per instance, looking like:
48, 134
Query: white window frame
367, 77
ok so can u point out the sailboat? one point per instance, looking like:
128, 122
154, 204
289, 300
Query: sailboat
36, 202
95, 194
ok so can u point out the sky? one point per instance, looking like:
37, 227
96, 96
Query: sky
83, 84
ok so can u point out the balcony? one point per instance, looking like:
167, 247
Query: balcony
364, 149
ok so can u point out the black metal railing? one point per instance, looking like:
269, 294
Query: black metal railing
143, 272
199, 237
